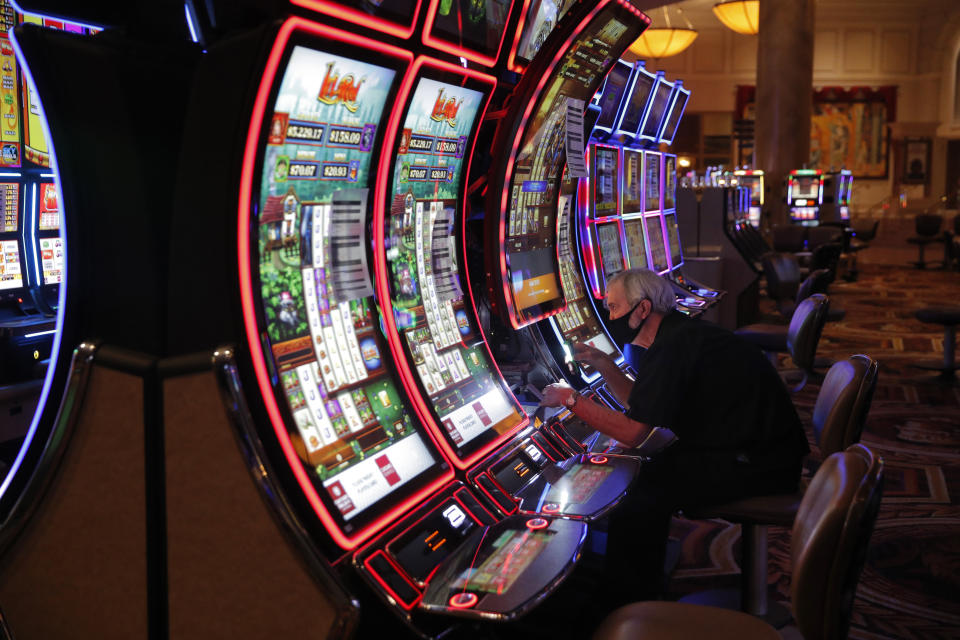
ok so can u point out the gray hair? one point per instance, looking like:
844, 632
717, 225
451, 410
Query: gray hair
639, 284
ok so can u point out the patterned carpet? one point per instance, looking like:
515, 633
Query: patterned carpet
910, 587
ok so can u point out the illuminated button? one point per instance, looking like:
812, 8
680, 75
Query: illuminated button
599, 459
463, 600
537, 523
551, 507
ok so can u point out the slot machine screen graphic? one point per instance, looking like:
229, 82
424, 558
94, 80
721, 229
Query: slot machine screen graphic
669, 183
10, 137
606, 172
436, 326
11, 273
475, 26
51, 260
612, 94
10, 206
651, 181
639, 95
658, 250
673, 240
636, 244
578, 321
658, 108
676, 113
528, 199
49, 208
807, 187
608, 239
346, 418
542, 16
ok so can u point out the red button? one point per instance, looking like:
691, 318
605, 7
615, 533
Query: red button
537, 523
599, 459
463, 600
551, 507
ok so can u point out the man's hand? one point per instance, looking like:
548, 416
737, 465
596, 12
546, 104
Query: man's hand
555, 395
583, 352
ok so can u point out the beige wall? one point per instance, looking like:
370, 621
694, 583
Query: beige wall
912, 45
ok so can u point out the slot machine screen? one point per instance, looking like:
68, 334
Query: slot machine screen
578, 321
632, 199
611, 254
612, 94
673, 240
51, 260
11, 271
636, 244
676, 113
537, 149
658, 107
49, 208
344, 414
606, 175
632, 115
658, 251
651, 181
437, 327
10, 205
805, 187
10, 134
542, 16
467, 24
669, 182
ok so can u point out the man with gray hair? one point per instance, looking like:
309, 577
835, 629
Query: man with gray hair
738, 433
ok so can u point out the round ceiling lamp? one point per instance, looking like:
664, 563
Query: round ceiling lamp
662, 42
743, 16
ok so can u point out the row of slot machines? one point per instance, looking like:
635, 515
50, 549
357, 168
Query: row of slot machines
368, 389
815, 197
31, 247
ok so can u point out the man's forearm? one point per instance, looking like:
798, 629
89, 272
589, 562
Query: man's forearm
617, 381
611, 423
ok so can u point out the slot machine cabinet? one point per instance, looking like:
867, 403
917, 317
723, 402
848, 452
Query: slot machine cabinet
837, 188
805, 196
753, 180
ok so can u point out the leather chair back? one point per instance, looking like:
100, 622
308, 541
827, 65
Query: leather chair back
782, 272
823, 234
827, 256
928, 224
816, 282
806, 325
830, 538
843, 402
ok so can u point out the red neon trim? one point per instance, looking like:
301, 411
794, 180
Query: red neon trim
599, 459
512, 63
551, 507
463, 600
537, 523
246, 282
504, 196
451, 47
376, 576
352, 15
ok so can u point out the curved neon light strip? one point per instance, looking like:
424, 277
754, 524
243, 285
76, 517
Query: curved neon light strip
246, 282
358, 17
58, 336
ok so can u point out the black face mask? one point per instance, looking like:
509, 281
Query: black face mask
620, 329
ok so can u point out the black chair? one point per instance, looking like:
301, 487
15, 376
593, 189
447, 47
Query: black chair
928, 228
782, 273
949, 317
789, 238
861, 235
829, 539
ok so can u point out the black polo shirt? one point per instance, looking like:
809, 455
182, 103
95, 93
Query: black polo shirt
716, 392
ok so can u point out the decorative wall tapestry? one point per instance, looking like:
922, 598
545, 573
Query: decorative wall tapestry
847, 127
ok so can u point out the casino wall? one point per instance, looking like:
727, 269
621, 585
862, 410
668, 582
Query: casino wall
912, 46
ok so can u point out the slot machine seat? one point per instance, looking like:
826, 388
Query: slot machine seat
949, 317
782, 274
839, 416
829, 540
928, 229
800, 338
790, 238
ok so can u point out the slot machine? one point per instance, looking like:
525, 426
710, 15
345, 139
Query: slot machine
753, 180
370, 394
837, 188
805, 196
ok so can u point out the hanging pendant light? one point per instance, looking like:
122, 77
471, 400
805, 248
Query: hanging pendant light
743, 16
663, 42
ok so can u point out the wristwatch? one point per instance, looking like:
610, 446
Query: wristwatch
571, 400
